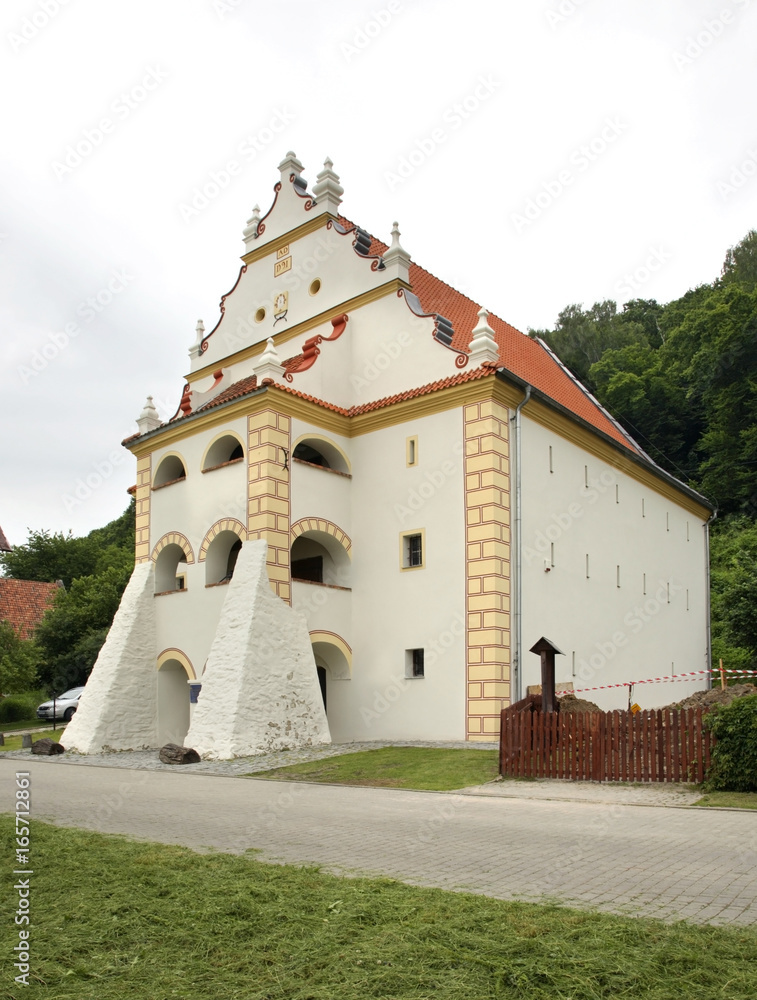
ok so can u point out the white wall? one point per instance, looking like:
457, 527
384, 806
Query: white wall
610, 633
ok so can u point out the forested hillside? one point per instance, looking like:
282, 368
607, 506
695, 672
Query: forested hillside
682, 379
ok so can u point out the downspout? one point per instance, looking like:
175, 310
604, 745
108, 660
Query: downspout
708, 640
517, 595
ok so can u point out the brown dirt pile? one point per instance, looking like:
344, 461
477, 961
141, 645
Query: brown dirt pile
716, 696
570, 703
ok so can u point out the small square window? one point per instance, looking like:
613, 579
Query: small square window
414, 665
412, 552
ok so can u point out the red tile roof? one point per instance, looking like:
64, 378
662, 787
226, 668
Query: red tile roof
4, 546
523, 356
247, 385
23, 602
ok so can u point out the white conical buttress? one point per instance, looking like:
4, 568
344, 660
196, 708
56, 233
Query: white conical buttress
260, 688
119, 706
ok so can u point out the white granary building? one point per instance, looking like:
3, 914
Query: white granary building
434, 492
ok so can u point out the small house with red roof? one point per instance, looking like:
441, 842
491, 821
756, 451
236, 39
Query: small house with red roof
436, 491
24, 602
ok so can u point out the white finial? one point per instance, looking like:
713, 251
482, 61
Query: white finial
483, 346
290, 165
194, 350
148, 419
269, 365
327, 189
250, 231
396, 258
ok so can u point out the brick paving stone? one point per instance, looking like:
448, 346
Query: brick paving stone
671, 863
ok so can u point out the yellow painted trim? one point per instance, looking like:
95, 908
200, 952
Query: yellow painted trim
303, 526
227, 433
411, 451
225, 524
173, 538
305, 438
332, 639
452, 397
168, 454
182, 658
282, 336
403, 536
311, 226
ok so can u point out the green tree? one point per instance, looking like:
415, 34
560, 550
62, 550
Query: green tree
73, 630
581, 337
634, 384
50, 557
733, 561
740, 263
19, 661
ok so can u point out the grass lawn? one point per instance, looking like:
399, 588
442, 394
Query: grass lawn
14, 742
112, 918
10, 727
733, 800
397, 767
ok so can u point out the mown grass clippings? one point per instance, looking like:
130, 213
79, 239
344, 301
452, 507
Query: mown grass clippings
430, 768
114, 919
729, 800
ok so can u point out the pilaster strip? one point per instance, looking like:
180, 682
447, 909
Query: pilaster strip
487, 537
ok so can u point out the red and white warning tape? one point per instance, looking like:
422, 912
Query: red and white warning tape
663, 680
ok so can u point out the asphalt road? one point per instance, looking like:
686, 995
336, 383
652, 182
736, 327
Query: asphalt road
697, 864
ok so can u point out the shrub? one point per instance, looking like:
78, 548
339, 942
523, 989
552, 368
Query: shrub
20, 707
734, 756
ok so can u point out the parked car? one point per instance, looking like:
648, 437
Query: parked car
63, 706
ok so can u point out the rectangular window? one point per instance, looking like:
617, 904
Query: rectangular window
586, 476
617, 576
644, 583
643, 508
587, 565
414, 665
551, 467
181, 582
310, 569
411, 451
617, 493
412, 550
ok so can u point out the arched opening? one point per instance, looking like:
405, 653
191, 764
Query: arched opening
170, 569
331, 653
318, 557
170, 470
225, 449
221, 558
173, 703
321, 452
322, 683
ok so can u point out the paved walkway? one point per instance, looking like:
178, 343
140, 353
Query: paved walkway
700, 865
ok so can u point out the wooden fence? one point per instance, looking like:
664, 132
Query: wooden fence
662, 745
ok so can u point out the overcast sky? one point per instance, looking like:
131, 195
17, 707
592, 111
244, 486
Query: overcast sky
535, 152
